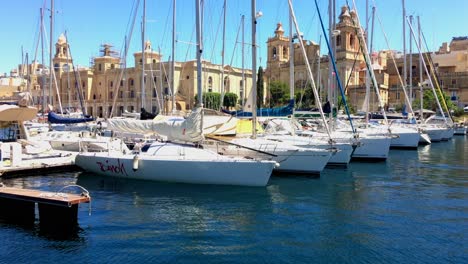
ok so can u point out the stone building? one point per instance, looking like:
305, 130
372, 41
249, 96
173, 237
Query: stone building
451, 64
348, 56
108, 80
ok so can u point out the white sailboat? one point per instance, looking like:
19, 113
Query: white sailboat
183, 163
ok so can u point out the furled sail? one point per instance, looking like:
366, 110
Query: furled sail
175, 129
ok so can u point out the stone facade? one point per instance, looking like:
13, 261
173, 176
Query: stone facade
107, 80
349, 60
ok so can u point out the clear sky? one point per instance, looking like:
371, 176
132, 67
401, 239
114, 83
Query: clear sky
90, 23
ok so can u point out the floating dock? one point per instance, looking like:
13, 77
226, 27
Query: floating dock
56, 209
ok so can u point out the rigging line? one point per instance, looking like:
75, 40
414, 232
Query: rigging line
435, 74
427, 71
394, 63
234, 49
125, 56
78, 87
332, 58
166, 25
359, 32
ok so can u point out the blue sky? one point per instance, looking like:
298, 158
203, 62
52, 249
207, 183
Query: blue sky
90, 23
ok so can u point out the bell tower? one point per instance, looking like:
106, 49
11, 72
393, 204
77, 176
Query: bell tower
278, 46
62, 59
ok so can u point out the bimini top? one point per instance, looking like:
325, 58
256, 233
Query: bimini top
10, 113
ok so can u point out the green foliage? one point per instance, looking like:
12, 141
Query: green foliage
260, 87
429, 102
341, 105
230, 100
279, 92
304, 95
211, 100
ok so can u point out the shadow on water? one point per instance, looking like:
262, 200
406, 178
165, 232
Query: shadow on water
29, 220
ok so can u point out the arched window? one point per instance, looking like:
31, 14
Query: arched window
338, 40
210, 82
274, 53
83, 84
131, 82
94, 96
241, 83
351, 41
154, 61
226, 84
132, 94
285, 52
111, 84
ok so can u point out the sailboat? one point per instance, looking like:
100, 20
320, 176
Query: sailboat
292, 159
183, 162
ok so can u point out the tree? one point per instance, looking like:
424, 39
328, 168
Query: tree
210, 100
260, 87
304, 96
230, 100
279, 92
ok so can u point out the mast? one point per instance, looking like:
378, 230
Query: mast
43, 63
427, 72
143, 23
367, 101
411, 63
243, 70
51, 66
421, 95
404, 45
28, 74
125, 74
291, 60
330, 63
254, 70
222, 55
172, 77
199, 54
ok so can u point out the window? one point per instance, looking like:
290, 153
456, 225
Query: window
121, 82
454, 81
154, 93
56, 66
94, 96
100, 67
240, 84
111, 95
453, 96
210, 82
188, 77
154, 61
132, 95
112, 66
120, 94
274, 53
111, 84
338, 40
285, 52
351, 41
83, 84
131, 82
166, 91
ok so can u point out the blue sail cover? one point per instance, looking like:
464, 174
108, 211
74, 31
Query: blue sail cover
58, 119
277, 111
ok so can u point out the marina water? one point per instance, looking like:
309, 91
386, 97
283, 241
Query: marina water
413, 208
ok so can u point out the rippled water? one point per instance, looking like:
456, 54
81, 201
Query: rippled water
411, 209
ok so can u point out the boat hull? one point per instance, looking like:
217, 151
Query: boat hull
372, 148
225, 172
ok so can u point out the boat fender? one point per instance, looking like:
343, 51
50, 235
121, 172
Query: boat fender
135, 163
